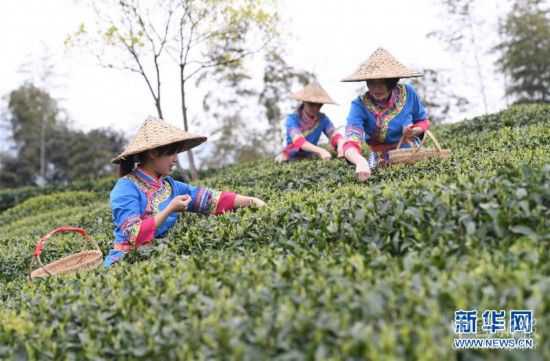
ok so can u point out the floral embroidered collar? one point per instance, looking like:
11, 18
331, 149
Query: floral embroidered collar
156, 190
385, 111
148, 179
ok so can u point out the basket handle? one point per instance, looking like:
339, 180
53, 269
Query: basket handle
432, 137
41, 243
429, 134
401, 143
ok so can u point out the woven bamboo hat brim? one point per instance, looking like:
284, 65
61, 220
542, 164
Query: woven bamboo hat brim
313, 93
381, 65
156, 133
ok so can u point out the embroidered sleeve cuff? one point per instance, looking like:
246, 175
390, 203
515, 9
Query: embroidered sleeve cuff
351, 144
146, 231
334, 139
298, 142
422, 124
204, 201
226, 202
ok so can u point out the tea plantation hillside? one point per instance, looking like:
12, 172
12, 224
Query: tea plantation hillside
331, 270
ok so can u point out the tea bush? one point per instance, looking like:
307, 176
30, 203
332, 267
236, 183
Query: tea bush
11, 197
332, 269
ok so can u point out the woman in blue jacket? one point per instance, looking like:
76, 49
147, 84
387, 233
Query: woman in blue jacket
384, 114
305, 126
146, 202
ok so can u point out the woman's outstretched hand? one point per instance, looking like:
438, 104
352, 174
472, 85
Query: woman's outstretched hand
256, 202
340, 148
362, 170
282, 157
244, 201
324, 154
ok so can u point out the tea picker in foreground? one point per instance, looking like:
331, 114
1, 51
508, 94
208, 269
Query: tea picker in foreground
305, 126
146, 202
387, 112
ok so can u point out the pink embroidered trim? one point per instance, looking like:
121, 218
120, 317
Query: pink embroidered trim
226, 202
422, 124
352, 144
146, 231
334, 139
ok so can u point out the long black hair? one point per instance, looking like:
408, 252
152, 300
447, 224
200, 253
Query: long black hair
391, 82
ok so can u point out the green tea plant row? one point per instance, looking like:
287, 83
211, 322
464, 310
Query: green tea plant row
331, 269
504, 147
341, 296
270, 304
12, 197
72, 207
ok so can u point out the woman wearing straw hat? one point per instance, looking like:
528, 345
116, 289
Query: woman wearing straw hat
387, 112
146, 201
305, 126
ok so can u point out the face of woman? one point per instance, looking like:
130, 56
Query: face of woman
378, 89
312, 109
163, 164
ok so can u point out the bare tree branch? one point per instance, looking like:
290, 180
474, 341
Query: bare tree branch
226, 62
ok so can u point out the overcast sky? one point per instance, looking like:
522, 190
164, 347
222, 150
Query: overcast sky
330, 38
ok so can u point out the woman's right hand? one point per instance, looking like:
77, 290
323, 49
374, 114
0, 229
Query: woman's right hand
180, 203
324, 154
362, 170
282, 157
410, 132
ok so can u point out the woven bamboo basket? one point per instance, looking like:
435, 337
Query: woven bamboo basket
417, 152
80, 261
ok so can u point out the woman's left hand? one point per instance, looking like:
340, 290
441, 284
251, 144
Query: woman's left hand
282, 157
245, 201
256, 202
340, 148
410, 132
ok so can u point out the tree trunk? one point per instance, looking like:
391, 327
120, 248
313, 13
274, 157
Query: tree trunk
159, 108
190, 157
478, 65
159, 113
43, 151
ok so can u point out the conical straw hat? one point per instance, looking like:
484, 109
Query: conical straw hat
156, 133
381, 65
313, 93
